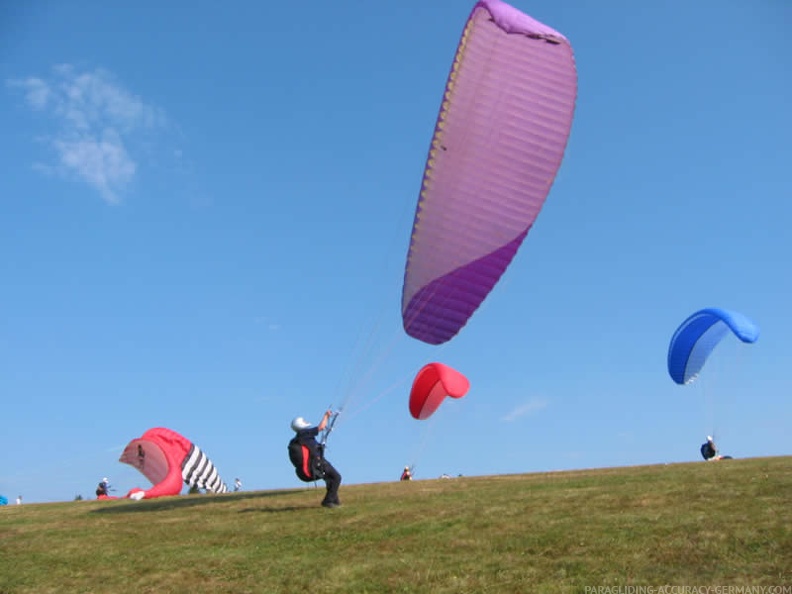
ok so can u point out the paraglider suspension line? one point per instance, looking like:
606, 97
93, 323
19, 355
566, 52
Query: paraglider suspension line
329, 429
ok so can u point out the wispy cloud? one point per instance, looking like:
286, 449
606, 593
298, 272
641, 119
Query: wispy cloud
273, 326
530, 407
96, 122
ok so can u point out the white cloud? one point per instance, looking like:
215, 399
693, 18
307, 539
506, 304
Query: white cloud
97, 121
530, 407
102, 162
37, 92
273, 326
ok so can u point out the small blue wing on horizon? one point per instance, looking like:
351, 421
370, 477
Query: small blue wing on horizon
3, 500
699, 334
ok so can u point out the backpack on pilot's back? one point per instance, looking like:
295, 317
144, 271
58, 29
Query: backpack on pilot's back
307, 467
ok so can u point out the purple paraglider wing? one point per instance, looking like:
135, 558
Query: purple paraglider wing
497, 146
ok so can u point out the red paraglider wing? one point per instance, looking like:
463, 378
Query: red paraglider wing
432, 385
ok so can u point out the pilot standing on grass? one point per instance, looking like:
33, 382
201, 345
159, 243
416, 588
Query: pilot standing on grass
306, 436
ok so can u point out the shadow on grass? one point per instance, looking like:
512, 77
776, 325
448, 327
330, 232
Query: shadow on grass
125, 506
275, 510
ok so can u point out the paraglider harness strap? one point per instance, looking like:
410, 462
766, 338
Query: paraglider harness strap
317, 465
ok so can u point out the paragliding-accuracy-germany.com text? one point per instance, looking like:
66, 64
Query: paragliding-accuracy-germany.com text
668, 589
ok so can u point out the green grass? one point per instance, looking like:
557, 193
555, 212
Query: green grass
698, 524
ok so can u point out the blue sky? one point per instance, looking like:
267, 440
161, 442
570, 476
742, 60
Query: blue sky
204, 216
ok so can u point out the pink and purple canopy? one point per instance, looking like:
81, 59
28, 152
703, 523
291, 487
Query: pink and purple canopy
498, 142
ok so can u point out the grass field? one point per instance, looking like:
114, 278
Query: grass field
696, 525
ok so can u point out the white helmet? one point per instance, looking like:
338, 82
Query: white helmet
298, 424
104, 480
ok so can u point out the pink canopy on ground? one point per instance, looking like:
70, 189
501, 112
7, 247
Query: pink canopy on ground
168, 459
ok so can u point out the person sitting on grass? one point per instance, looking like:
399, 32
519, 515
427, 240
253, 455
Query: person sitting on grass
709, 451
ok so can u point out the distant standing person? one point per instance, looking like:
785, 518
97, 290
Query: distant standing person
406, 475
317, 464
19, 500
237, 484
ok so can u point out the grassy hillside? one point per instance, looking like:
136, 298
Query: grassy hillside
698, 524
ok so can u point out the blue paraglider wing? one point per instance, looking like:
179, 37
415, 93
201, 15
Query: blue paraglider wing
698, 335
